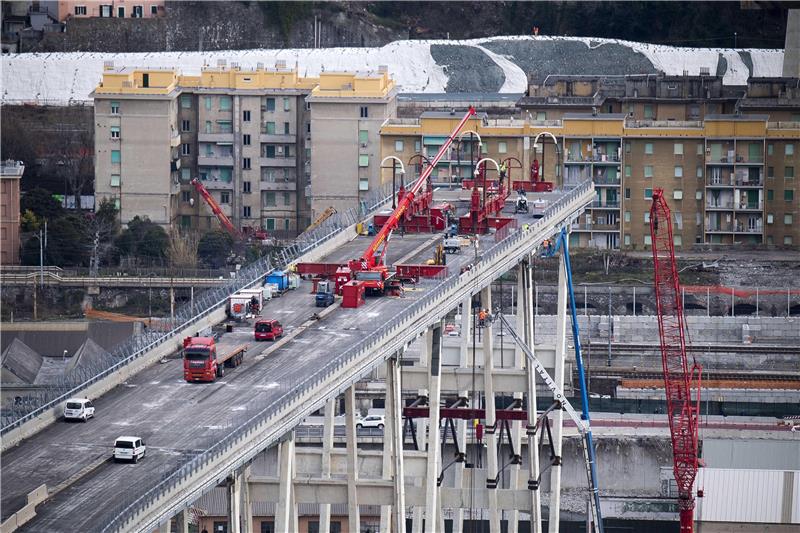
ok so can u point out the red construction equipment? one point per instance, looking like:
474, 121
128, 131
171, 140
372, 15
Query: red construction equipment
682, 413
370, 267
484, 203
216, 209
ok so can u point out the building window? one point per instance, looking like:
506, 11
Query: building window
246, 163
80, 10
627, 239
699, 171
186, 149
770, 172
225, 126
648, 194
224, 103
678, 171
270, 128
270, 104
648, 111
115, 180
270, 223
770, 195
787, 240
246, 187
246, 211
186, 221
627, 147
648, 148
648, 171
677, 194
186, 125
270, 152
186, 101
647, 240
788, 173
647, 217
115, 132
787, 219
770, 149
363, 136
627, 171
541, 115
417, 146
209, 101
699, 149
627, 216
364, 111
308, 128
502, 147
398, 146
105, 11
770, 218
627, 193
224, 197
186, 196
363, 160
246, 139
698, 195
789, 149
286, 106
788, 195
138, 11
363, 184
286, 128
115, 156
186, 174
246, 116
115, 108
287, 199
286, 224
678, 149
677, 240
154, 10
269, 199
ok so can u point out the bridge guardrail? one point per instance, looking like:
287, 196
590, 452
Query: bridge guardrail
39, 402
127, 510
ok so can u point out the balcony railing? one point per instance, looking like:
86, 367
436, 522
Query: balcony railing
630, 123
606, 204
750, 206
606, 180
215, 160
720, 205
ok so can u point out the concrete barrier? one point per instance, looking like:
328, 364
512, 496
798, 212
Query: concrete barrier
28, 511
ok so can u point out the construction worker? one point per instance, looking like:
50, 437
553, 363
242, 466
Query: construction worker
503, 169
482, 318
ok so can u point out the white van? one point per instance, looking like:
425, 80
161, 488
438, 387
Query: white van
78, 409
129, 449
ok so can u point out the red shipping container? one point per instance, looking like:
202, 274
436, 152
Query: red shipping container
353, 294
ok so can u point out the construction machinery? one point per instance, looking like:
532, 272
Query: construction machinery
216, 209
521, 205
371, 267
328, 213
682, 412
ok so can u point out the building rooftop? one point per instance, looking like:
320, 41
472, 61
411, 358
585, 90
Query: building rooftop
12, 169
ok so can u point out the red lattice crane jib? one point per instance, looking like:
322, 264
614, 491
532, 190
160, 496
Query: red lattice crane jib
681, 411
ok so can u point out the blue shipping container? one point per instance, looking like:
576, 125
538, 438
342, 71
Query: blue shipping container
280, 278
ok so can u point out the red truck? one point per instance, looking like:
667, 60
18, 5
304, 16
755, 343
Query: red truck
205, 360
268, 330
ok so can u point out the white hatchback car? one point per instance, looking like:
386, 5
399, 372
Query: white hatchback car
79, 409
371, 421
129, 449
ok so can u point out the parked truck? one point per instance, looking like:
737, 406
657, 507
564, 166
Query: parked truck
205, 359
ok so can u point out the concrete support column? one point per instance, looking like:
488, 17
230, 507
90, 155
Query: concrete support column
235, 503
387, 468
285, 513
558, 415
182, 520
247, 503
461, 425
491, 422
327, 446
527, 330
354, 521
432, 510
422, 429
396, 406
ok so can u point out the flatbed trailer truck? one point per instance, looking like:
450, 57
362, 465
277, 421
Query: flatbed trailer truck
205, 359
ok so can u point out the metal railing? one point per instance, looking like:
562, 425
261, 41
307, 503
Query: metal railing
426, 306
39, 401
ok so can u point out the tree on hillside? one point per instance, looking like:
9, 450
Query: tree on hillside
142, 239
67, 243
41, 203
214, 248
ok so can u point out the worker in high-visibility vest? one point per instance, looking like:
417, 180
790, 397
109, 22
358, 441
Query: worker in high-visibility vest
482, 317
503, 170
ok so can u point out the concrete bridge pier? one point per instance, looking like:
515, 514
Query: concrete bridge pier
461, 425
432, 503
286, 511
491, 421
395, 385
525, 323
354, 518
240, 508
327, 446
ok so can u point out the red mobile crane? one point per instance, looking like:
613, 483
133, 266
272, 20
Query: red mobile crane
681, 411
216, 209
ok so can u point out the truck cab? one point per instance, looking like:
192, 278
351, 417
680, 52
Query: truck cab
268, 330
199, 359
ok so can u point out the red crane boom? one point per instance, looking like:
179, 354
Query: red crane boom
216, 209
369, 258
681, 411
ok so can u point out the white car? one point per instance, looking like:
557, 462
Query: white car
371, 421
129, 449
78, 409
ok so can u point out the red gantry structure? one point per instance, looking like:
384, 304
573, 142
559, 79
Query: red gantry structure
370, 268
682, 412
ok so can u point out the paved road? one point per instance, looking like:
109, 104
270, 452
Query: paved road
177, 419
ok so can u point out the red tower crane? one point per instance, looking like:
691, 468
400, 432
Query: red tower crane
678, 379
216, 209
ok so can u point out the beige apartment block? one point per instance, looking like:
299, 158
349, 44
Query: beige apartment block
347, 111
65, 10
10, 176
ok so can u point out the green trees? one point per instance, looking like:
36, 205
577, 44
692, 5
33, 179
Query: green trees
214, 248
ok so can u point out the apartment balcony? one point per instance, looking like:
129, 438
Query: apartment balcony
278, 185
218, 137
722, 161
278, 161
720, 182
175, 139
719, 228
596, 227
750, 206
215, 161
275, 138
605, 204
749, 182
218, 184
604, 181
749, 161
719, 206
744, 228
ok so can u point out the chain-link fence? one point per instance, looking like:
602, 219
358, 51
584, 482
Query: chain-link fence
34, 403
290, 391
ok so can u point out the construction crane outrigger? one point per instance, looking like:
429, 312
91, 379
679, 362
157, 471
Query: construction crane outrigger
682, 414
